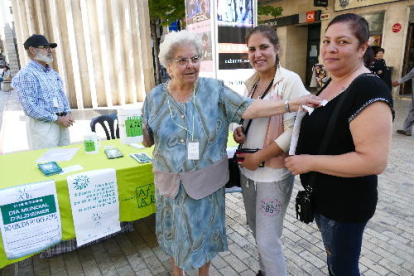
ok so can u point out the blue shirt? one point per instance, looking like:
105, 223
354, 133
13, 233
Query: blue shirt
213, 108
37, 86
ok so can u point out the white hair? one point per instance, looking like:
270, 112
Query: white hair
174, 40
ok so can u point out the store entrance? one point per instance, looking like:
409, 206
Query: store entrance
314, 35
408, 60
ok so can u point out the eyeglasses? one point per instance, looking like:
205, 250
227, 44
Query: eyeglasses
184, 61
46, 47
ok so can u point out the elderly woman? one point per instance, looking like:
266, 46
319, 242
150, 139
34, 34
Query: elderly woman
187, 119
345, 188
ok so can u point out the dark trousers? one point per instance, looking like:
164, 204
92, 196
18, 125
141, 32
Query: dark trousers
342, 243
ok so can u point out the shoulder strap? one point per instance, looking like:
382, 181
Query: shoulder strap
327, 136
250, 121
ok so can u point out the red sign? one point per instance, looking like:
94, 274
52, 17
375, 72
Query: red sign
310, 16
396, 27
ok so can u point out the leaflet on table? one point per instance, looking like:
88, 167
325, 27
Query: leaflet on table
58, 155
30, 218
94, 203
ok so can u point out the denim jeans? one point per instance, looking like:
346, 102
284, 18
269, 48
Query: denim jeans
342, 243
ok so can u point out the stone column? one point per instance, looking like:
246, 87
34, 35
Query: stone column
104, 53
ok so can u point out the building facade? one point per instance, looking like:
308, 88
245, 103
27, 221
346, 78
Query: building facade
302, 26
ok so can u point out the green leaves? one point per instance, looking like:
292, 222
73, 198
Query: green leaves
167, 11
269, 10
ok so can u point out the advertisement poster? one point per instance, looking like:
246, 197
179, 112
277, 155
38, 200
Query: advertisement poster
234, 19
204, 30
30, 218
199, 21
236, 13
222, 26
94, 203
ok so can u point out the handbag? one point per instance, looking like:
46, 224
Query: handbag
304, 206
234, 170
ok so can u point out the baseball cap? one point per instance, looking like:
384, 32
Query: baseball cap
37, 40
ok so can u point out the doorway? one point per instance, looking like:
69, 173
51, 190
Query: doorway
314, 36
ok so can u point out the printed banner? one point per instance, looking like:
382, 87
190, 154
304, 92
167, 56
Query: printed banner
198, 21
94, 203
234, 19
30, 218
341, 5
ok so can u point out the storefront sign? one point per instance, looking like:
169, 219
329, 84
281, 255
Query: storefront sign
325, 16
310, 16
283, 21
320, 3
396, 27
341, 5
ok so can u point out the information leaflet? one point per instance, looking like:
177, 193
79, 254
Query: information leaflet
30, 218
94, 203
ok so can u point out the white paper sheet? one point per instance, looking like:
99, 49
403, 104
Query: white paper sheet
95, 205
295, 132
58, 155
70, 169
30, 218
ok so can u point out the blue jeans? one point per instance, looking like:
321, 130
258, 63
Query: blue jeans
342, 243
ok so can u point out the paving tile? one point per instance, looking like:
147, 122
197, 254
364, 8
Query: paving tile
72, 264
235, 263
125, 271
91, 268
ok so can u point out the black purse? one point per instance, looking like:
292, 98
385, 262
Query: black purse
234, 170
304, 206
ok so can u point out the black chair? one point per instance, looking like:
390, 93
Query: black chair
110, 120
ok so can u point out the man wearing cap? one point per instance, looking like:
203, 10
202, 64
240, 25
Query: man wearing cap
41, 95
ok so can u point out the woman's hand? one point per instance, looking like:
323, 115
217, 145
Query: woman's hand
148, 140
299, 164
238, 135
250, 161
309, 100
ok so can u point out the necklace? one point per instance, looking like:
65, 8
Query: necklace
263, 93
181, 100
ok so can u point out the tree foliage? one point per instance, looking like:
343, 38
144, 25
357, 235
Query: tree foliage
269, 10
166, 11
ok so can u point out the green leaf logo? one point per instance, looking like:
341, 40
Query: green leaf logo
81, 182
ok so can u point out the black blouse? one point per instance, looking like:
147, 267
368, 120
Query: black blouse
380, 65
338, 198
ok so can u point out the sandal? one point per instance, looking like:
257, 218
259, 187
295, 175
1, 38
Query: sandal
400, 131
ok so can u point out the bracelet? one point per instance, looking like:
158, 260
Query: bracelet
287, 107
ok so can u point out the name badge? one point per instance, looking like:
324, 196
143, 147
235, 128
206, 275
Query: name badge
55, 102
193, 151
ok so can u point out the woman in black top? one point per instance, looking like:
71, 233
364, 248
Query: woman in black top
345, 189
379, 67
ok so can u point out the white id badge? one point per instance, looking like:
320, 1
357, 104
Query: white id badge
193, 151
55, 102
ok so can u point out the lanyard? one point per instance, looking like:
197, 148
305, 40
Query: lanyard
180, 126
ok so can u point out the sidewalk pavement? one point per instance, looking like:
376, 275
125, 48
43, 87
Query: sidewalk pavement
388, 246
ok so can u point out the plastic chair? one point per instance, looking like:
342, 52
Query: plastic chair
110, 121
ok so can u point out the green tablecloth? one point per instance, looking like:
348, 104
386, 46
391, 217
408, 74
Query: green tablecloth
135, 182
